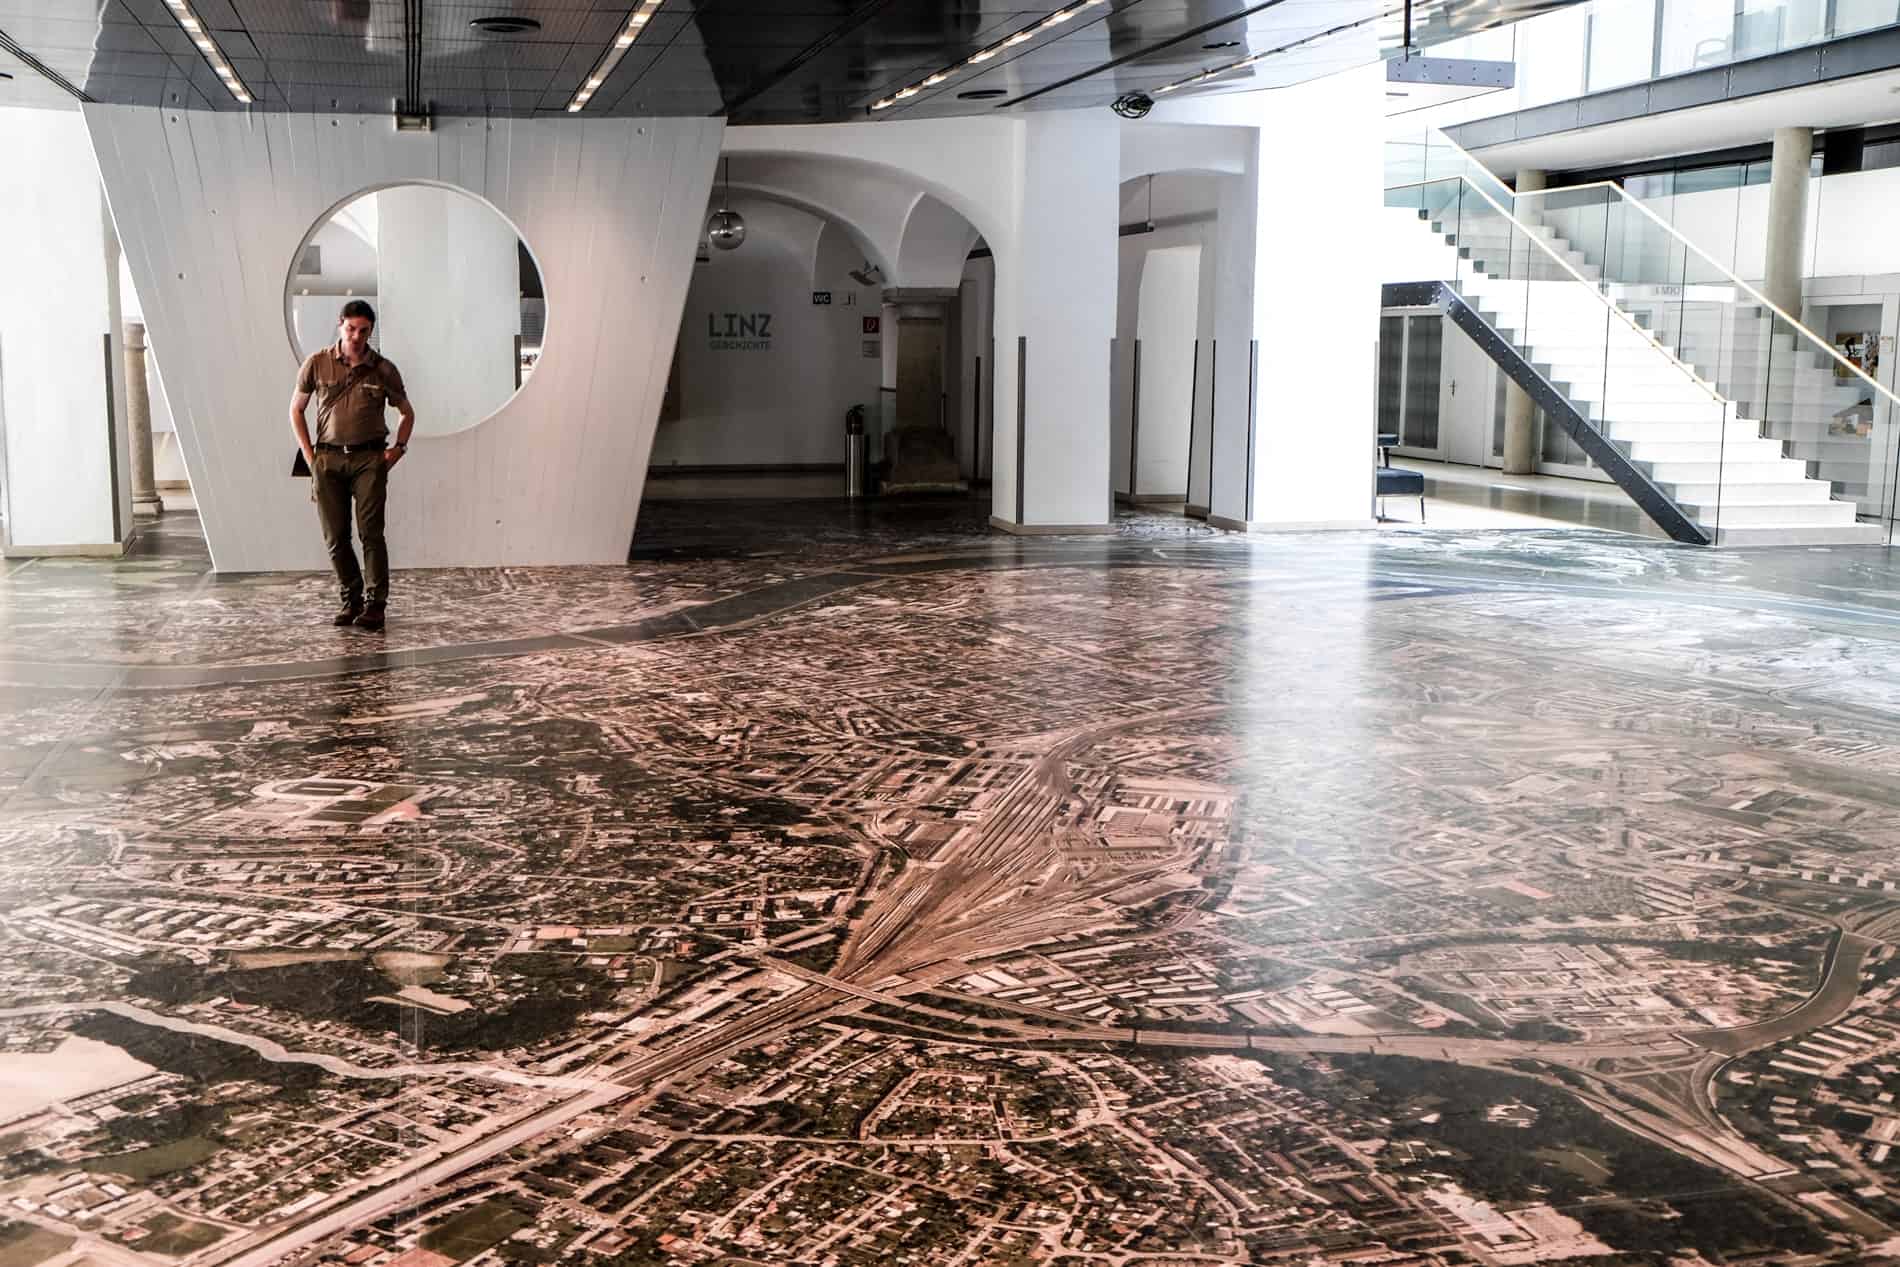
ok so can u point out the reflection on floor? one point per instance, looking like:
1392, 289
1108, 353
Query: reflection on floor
846, 885
1479, 497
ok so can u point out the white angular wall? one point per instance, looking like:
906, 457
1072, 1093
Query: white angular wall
211, 208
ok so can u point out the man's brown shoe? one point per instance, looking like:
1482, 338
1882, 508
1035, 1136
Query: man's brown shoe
347, 614
372, 617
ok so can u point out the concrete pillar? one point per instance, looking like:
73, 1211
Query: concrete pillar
1520, 412
138, 418
1788, 217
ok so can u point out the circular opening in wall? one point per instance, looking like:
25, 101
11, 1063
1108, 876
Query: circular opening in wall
505, 24
458, 297
980, 94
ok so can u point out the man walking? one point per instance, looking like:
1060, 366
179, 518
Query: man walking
350, 457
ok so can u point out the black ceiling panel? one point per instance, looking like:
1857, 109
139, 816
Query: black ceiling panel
755, 61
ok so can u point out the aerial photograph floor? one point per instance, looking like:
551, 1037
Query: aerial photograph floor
845, 886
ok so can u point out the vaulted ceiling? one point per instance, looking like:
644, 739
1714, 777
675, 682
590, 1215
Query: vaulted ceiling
755, 61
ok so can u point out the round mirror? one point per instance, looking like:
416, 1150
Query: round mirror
458, 297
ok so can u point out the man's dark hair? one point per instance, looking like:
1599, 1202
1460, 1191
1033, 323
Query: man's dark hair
356, 308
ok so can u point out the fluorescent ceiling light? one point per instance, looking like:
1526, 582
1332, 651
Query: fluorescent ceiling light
1023, 36
636, 22
207, 45
1255, 58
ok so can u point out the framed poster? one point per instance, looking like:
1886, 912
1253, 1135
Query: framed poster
1862, 348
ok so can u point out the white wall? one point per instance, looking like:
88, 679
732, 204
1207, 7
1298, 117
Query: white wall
783, 403
1190, 165
348, 258
1165, 328
1185, 206
1041, 191
611, 208
976, 422
61, 412
349, 272
448, 303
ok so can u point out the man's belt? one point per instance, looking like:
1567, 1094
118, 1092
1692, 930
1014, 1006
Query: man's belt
366, 446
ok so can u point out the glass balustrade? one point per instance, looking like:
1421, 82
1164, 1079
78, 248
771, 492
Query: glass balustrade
1662, 423
1799, 405
1747, 420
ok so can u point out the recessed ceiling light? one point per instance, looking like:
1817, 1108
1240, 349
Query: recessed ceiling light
201, 36
980, 94
637, 19
1018, 37
505, 24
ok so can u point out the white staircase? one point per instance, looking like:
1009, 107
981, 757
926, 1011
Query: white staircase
1678, 426
1819, 418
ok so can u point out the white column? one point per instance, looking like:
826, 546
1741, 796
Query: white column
1296, 312
1055, 314
62, 387
1201, 437
448, 303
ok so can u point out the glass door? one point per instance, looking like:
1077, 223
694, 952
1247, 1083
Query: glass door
1411, 346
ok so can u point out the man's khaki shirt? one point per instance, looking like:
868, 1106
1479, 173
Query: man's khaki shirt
351, 398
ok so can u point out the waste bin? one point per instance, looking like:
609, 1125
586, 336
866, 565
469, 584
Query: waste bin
854, 451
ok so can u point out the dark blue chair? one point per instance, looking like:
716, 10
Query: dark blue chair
1396, 481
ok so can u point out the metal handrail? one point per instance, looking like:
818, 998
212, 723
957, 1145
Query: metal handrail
1720, 268
1581, 280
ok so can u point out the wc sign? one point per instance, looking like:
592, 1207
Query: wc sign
739, 331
